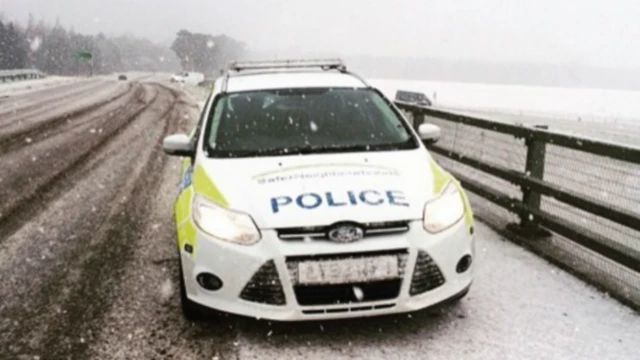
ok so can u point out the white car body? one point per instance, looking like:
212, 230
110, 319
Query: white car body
389, 188
191, 78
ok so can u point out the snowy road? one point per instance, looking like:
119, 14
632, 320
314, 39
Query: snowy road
88, 266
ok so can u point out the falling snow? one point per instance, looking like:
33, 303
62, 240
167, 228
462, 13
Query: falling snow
35, 43
358, 293
166, 290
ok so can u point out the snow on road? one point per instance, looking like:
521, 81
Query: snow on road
20, 87
14, 89
520, 307
88, 265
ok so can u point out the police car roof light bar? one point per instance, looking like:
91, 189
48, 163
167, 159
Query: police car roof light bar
324, 64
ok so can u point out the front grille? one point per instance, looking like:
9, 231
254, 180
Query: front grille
331, 294
320, 232
426, 275
347, 309
264, 286
344, 293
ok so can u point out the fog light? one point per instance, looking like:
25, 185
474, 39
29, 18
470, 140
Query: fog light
464, 264
209, 281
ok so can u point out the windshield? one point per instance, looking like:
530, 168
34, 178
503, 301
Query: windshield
304, 121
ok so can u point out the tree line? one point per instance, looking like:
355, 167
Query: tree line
52, 48
206, 53
55, 50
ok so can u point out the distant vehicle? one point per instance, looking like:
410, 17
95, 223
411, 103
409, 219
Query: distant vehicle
122, 77
192, 78
412, 97
290, 210
177, 77
207, 83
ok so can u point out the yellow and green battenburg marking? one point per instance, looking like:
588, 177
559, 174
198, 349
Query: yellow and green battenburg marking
440, 179
203, 186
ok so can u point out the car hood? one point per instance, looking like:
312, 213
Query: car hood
316, 190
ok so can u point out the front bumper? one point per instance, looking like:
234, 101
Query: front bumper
272, 257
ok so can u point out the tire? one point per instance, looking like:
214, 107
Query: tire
190, 310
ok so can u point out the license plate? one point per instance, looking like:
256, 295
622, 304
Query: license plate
348, 270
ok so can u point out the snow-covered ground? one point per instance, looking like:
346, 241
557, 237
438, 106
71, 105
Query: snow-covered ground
20, 87
599, 105
602, 105
57, 304
612, 115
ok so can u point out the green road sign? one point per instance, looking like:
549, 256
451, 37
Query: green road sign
83, 54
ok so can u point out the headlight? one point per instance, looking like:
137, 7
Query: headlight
444, 211
224, 224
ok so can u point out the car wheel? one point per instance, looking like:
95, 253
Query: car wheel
191, 310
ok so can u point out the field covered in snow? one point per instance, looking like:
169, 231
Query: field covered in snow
612, 115
601, 105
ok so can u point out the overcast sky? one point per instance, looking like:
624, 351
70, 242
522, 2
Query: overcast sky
587, 32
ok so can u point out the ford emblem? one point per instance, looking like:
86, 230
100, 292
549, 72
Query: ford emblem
345, 234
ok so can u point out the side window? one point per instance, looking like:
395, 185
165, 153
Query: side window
224, 105
201, 120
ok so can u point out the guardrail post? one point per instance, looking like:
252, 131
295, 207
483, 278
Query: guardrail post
534, 167
416, 120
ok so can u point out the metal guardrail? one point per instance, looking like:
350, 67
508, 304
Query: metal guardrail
22, 74
533, 219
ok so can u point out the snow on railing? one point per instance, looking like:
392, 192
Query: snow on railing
20, 74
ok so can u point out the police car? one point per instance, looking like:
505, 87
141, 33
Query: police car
306, 194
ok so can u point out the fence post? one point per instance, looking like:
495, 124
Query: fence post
534, 168
412, 118
416, 120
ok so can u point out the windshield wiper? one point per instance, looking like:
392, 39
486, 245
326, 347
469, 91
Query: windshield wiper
364, 147
273, 151
300, 150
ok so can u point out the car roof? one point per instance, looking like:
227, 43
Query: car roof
251, 81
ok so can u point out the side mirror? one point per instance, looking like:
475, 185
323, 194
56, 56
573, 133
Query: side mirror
178, 145
429, 133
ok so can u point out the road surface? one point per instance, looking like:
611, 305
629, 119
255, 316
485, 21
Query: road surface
88, 268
